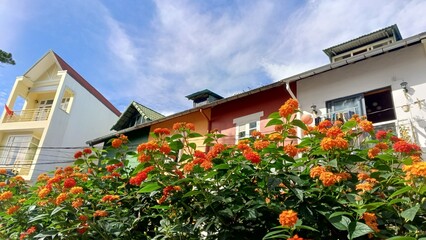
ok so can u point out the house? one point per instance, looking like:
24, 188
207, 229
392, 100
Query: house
236, 116
379, 75
138, 132
50, 112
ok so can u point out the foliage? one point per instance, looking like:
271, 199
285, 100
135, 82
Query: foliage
340, 181
6, 57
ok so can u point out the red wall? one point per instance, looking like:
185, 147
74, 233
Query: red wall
267, 101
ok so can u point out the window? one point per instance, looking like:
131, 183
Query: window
19, 150
43, 110
67, 100
246, 125
377, 105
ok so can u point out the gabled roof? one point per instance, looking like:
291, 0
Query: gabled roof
135, 109
391, 31
52, 58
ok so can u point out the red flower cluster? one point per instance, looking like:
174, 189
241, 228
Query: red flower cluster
69, 183
381, 134
29, 231
141, 176
166, 192
405, 147
252, 156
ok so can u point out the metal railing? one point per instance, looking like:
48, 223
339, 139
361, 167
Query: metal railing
29, 115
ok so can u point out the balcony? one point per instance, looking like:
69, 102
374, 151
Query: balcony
28, 115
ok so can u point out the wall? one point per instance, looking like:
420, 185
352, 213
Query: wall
197, 118
268, 101
88, 118
390, 69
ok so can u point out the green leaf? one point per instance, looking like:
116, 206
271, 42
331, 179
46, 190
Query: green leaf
79, 161
400, 191
160, 207
274, 115
194, 135
191, 193
149, 187
274, 121
176, 136
298, 193
349, 125
56, 210
340, 222
372, 206
335, 214
297, 122
402, 238
358, 229
307, 228
176, 145
410, 213
38, 217
397, 200
221, 166
192, 145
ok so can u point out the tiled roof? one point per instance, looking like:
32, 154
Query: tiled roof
74, 74
129, 113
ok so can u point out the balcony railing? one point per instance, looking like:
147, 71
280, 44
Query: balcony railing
28, 115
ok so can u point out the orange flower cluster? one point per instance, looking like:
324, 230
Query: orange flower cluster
288, 218
141, 176
117, 142
405, 147
373, 152
295, 237
275, 137
112, 167
162, 131
202, 159
61, 198
76, 190
371, 220
336, 143
43, 192
3, 184
110, 198
182, 126
166, 192
334, 132
417, 169
6, 195
289, 107
366, 125
367, 184
323, 126
12, 209
100, 213
291, 150
260, 144
29, 231
77, 203
328, 178
3, 171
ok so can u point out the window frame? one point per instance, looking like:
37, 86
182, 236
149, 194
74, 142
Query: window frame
246, 121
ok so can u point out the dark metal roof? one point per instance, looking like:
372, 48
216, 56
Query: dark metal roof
203, 94
391, 31
135, 109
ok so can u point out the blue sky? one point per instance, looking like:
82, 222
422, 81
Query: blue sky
157, 52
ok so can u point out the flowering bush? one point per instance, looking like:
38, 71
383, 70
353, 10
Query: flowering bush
339, 181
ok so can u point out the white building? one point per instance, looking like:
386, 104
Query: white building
379, 75
60, 111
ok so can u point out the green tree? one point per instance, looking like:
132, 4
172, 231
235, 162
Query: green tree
6, 57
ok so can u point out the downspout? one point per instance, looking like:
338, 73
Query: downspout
209, 126
287, 87
298, 116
